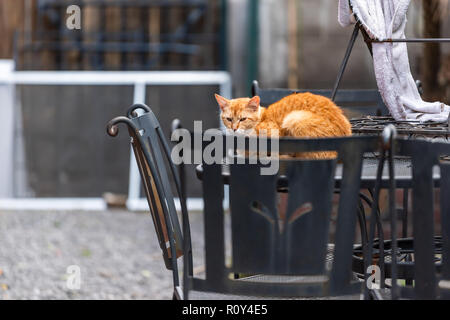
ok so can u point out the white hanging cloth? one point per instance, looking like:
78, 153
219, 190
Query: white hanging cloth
386, 19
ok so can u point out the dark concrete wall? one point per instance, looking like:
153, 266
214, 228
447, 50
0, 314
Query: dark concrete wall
69, 154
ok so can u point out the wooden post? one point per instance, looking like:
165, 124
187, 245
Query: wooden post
89, 26
11, 20
431, 51
112, 25
133, 24
155, 31
293, 77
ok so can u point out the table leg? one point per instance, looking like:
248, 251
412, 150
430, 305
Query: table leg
408, 282
405, 213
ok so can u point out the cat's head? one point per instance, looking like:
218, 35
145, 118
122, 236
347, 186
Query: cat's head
240, 115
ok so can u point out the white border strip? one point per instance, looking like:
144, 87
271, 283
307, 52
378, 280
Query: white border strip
193, 204
53, 204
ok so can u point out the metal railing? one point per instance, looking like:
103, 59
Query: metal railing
126, 35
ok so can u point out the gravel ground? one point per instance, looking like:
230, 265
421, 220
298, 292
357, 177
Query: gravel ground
117, 252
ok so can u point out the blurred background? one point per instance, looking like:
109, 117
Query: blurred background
59, 146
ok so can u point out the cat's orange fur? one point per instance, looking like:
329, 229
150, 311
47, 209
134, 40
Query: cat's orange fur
298, 115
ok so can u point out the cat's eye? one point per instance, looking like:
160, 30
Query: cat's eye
243, 119
229, 119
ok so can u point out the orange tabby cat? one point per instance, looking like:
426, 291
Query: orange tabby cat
298, 115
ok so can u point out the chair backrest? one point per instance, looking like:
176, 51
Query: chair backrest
355, 102
157, 171
431, 247
277, 237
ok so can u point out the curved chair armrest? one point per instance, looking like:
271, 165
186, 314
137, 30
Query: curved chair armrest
112, 127
131, 111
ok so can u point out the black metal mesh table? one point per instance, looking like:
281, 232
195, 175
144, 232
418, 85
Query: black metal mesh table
374, 125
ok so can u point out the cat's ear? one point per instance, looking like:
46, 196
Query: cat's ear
223, 103
254, 103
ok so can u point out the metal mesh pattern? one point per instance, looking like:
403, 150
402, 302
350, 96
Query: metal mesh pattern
411, 129
402, 167
286, 279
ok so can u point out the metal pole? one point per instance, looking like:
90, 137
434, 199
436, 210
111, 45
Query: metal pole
253, 43
226, 91
7, 134
345, 61
134, 186
415, 40
224, 35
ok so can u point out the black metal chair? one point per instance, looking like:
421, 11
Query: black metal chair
157, 171
366, 102
424, 258
287, 256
